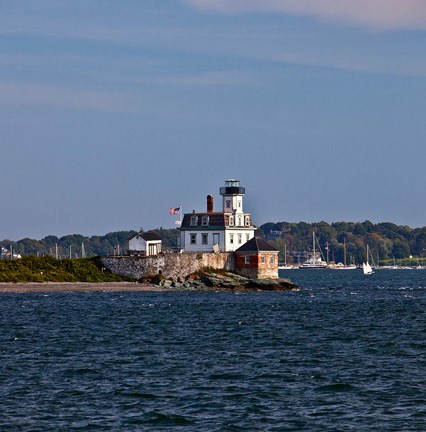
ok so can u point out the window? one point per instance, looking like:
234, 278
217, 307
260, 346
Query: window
231, 220
231, 238
194, 220
272, 259
247, 259
193, 238
228, 204
240, 238
215, 238
205, 221
263, 259
204, 239
247, 237
240, 221
239, 204
247, 219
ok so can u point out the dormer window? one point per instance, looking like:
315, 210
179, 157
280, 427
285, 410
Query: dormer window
231, 220
205, 221
247, 220
194, 221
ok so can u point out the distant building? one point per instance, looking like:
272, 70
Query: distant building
145, 244
257, 259
8, 254
277, 234
223, 231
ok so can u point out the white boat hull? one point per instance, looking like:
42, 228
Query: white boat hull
344, 268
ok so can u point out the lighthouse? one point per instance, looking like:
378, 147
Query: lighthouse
225, 230
232, 194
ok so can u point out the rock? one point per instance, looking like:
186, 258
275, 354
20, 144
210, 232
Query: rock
233, 281
272, 284
167, 283
228, 281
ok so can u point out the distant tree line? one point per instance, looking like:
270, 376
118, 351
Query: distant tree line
385, 240
75, 244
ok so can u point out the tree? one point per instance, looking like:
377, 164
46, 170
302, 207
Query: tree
400, 249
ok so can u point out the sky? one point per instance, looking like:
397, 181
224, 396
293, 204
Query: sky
111, 112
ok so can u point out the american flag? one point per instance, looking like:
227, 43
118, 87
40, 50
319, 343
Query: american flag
174, 210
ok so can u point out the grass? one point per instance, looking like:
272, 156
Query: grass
48, 269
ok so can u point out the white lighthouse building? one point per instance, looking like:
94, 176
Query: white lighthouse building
223, 231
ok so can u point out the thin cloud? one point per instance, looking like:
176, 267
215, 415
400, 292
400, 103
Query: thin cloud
377, 14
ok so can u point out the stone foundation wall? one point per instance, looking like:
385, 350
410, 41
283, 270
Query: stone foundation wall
171, 265
258, 273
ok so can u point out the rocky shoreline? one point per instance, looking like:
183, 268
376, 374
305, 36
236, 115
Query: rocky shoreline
199, 282
228, 281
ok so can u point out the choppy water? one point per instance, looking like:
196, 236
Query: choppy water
347, 353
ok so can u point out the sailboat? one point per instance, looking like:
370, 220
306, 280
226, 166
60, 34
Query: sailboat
366, 267
344, 266
285, 266
314, 262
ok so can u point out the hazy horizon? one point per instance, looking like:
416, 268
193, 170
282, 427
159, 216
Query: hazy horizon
172, 227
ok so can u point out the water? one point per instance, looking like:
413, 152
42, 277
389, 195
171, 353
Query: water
347, 353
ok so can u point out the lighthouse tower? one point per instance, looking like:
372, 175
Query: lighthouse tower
224, 230
232, 194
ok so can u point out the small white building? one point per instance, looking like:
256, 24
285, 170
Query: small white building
145, 244
223, 231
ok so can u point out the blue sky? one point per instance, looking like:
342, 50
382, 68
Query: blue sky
112, 112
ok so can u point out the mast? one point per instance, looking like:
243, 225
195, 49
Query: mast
313, 242
344, 252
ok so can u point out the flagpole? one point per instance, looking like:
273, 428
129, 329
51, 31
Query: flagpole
180, 224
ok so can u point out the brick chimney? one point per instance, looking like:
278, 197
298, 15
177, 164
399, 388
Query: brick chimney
209, 203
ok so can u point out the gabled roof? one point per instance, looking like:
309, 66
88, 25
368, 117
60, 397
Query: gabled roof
148, 236
256, 244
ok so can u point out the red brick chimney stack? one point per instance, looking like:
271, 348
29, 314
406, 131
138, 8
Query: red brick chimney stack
209, 203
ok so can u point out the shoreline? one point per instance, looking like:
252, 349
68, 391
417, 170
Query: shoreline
53, 287
88, 287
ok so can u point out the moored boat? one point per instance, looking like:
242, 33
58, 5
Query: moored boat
366, 267
314, 262
341, 266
